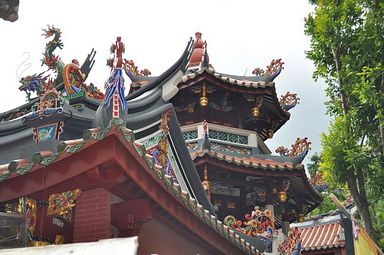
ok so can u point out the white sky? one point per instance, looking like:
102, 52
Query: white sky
241, 35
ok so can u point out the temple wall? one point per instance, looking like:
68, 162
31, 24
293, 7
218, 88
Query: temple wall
92, 216
157, 238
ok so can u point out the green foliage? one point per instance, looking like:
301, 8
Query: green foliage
340, 191
326, 206
347, 48
313, 165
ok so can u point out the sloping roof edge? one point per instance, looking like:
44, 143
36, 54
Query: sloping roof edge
92, 136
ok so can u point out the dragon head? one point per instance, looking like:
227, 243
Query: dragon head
50, 31
33, 83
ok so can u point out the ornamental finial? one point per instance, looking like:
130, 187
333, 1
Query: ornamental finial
115, 85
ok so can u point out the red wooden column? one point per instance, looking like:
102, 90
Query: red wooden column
92, 216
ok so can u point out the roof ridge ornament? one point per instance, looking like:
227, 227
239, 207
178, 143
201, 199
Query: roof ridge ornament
129, 66
160, 151
291, 245
115, 86
318, 183
289, 101
114, 105
276, 66
71, 75
199, 58
300, 147
257, 224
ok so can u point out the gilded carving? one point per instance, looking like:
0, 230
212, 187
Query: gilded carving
61, 204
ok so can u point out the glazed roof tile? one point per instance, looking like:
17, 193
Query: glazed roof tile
91, 136
228, 79
249, 161
325, 236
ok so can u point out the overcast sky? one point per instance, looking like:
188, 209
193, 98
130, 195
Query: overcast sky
241, 35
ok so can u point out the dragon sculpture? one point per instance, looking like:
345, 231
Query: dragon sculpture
33, 83
71, 74
131, 67
52, 61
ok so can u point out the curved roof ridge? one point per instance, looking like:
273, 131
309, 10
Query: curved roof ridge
227, 79
179, 65
265, 78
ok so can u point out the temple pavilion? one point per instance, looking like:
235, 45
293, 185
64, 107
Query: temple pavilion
178, 160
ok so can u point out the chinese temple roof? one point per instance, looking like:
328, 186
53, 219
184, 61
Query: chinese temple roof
96, 126
259, 88
241, 81
69, 154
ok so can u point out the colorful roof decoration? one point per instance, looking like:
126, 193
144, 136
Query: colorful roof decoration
67, 149
257, 223
293, 244
130, 142
301, 146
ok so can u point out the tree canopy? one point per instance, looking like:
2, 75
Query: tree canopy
347, 48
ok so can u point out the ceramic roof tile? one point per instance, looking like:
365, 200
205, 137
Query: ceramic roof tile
252, 162
237, 82
323, 236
